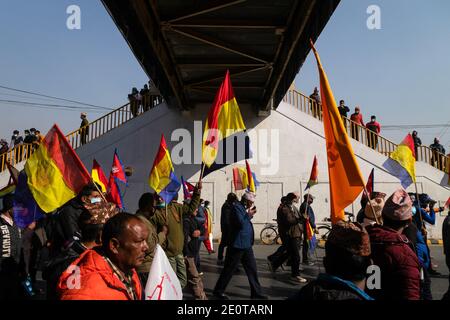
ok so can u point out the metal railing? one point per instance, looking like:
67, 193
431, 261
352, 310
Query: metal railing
366, 136
86, 134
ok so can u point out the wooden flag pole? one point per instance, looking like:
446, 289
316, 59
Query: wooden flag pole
98, 189
418, 203
371, 206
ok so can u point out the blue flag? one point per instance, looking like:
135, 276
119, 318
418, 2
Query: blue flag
26, 210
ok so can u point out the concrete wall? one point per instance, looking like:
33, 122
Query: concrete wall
297, 139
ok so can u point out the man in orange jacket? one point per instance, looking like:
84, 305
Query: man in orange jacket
108, 272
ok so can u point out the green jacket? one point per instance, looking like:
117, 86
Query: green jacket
153, 239
174, 222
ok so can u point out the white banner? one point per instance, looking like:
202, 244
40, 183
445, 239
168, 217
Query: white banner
162, 283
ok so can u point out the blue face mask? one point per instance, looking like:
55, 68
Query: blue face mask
414, 211
96, 200
160, 205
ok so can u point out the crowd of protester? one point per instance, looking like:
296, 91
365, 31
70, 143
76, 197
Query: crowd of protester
112, 251
32, 137
373, 130
145, 99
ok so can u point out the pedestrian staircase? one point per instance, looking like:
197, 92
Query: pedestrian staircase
365, 136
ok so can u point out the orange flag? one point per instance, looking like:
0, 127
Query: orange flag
346, 180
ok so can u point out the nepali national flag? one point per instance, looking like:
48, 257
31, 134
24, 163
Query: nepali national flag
188, 189
117, 174
117, 169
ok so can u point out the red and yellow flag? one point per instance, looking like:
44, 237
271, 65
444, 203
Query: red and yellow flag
162, 177
99, 176
346, 180
251, 183
224, 119
55, 173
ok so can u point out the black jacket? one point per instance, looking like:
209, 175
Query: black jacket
10, 244
66, 224
446, 235
56, 266
191, 244
343, 110
225, 214
329, 288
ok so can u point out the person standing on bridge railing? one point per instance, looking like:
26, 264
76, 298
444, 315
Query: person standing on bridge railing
343, 110
146, 101
373, 130
316, 107
135, 99
417, 143
84, 128
357, 118
437, 159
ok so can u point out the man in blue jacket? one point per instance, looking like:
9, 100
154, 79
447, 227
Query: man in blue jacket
240, 248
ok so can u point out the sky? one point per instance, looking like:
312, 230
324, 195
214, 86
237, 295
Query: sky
400, 73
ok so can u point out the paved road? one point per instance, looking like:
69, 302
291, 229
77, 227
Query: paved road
277, 286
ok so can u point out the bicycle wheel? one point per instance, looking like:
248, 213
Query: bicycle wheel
268, 235
322, 237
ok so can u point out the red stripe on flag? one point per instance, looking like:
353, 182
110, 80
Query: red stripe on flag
72, 169
409, 142
161, 151
224, 95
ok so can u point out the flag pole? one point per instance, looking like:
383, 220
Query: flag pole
418, 203
371, 206
202, 171
98, 189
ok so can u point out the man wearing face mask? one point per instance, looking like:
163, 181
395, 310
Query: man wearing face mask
68, 215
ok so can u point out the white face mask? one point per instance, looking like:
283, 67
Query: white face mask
96, 200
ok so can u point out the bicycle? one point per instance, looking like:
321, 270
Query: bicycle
324, 229
269, 234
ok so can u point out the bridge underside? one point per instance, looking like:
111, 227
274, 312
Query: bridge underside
185, 46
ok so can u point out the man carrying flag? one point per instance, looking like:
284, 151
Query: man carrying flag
164, 182
346, 181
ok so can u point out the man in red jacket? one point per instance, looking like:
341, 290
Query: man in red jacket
108, 273
393, 253
373, 130
357, 119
